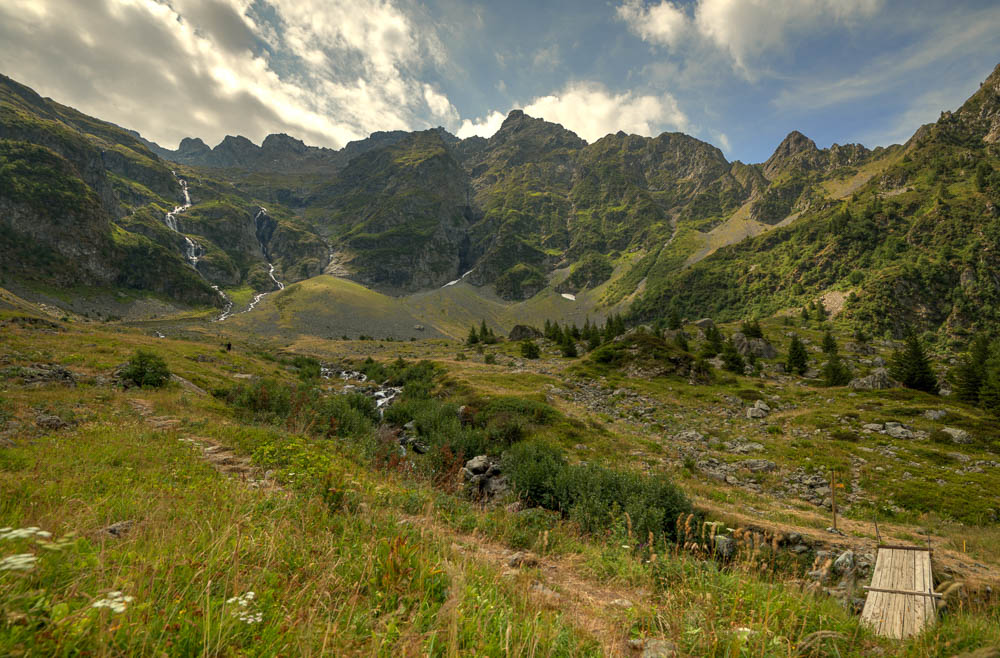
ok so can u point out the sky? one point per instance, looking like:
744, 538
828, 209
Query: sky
740, 74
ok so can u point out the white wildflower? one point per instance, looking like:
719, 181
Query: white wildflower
23, 533
18, 562
115, 601
246, 612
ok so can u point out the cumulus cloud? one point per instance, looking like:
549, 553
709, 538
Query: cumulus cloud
744, 29
483, 127
328, 71
665, 23
591, 111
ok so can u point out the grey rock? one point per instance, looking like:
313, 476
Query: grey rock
844, 563
759, 465
935, 414
117, 530
878, 380
478, 464
873, 427
754, 412
524, 332
957, 435
50, 422
724, 546
897, 431
652, 648
522, 559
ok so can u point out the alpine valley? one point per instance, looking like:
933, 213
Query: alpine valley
522, 395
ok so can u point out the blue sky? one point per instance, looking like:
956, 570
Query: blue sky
740, 74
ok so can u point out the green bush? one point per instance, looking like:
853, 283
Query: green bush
529, 350
594, 496
147, 370
306, 367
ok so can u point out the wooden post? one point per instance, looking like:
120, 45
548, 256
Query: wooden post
833, 497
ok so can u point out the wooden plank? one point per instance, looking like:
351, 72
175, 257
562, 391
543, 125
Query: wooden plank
901, 600
901, 591
896, 547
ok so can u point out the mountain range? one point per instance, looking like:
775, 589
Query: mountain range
891, 237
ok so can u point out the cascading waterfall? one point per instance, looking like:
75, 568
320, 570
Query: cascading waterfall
278, 285
192, 250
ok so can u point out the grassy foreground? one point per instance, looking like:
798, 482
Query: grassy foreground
341, 557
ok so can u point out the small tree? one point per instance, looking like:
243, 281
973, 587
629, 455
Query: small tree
912, 367
568, 347
805, 315
731, 359
681, 341
829, 343
674, 321
146, 369
798, 359
835, 373
529, 350
970, 373
473, 337
751, 329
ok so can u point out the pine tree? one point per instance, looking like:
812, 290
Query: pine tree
568, 346
989, 392
835, 373
484, 333
912, 367
674, 321
751, 329
529, 350
473, 337
970, 373
829, 343
681, 341
798, 359
805, 315
731, 358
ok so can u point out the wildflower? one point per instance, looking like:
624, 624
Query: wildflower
246, 612
18, 562
23, 533
116, 601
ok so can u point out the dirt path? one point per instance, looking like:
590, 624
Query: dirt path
221, 458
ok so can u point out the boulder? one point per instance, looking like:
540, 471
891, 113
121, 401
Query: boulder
478, 465
877, 381
724, 546
50, 422
524, 332
756, 346
957, 435
935, 414
898, 431
652, 648
759, 465
844, 563
704, 323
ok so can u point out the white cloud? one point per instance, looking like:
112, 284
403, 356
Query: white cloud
748, 28
591, 111
331, 71
484, 127
664, 24
744, 29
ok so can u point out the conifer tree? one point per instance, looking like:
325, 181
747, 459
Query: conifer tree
674, 321
568, 346
970, 373
829, 343
911, 366
681, 341
798, 359
835, 373
731, 358
473, 337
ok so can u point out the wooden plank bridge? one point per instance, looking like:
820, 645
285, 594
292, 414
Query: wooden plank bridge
901, 600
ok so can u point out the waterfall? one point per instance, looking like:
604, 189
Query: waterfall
278, 285
192, 250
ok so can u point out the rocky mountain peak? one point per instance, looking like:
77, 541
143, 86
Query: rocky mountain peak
282, 143
192, 146
795, 151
